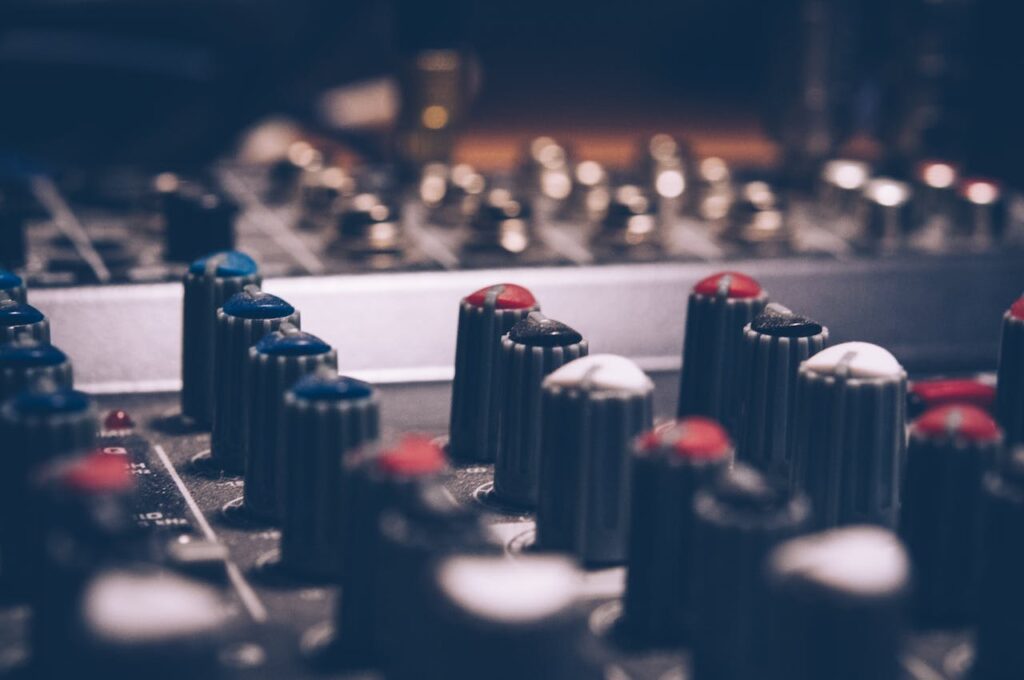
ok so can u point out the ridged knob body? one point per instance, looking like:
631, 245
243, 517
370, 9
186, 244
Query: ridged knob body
25, 361
1010, 380
19, 319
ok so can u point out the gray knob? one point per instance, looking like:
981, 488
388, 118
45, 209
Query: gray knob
849, 434
243, 320
210, 281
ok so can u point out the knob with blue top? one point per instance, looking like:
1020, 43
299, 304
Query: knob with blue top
243, 321
21, 319
209, 282
13, 285
24, 361
276, 363
327, 416
534, 347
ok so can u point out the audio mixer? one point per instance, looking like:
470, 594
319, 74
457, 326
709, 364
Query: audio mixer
310, 418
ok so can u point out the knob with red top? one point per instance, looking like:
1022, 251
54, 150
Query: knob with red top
923, 395
951, 448
719, 307
670, 464
1010, 378
484, 316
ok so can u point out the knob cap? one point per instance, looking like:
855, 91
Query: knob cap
210, 281
774, 344
849, 434
738, 520
478, 610
835, 602
951, 448
1010, 377
25, 361
670, 465
276, 363
592, 408
196, 222
534, 347
326, 417
484, 316
1000, 619
718, 309
13, 286
243, 320
19, 318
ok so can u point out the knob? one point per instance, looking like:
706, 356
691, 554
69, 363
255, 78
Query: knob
484, 316
326, 417
934, 188
25, 361
886, 211
849, 433
244, 319
835, 602
670, 464
630, 221
20, 318
591, 410
501, 224
12, 231
951, 448
925, 394
370, 226
1010, 375
757, 217
841, 186
739, 519
276, 363
322, 191
13, 286
982, 210
196, 222
774, 344
1000, 621
209, 282
534, 347
518, 618
718, 309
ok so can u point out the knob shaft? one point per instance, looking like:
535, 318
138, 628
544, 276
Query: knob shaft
738, 520
951, 448
243, 320
1010, 379
484, 316
276, 363
592, 409
849, 434
21, 319
210, 281
718, 309
774, 344
327, 416
835, 606
670, 465
999, 654
24, 361
534, 347
13, 286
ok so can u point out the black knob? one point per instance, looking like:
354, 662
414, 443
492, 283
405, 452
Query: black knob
1010, 377
276, 363
757, 216
841, 185
950, 450
591, 410
196, 222
13, 286
13, 216
243, 320
718, 309
835, 606
25, 361
534, 347
210, 281
370, 226
886, 211
738, 520
983, 210
516, 618
20, 318
326, 417
849, 434
670, 465
484, 316
501, 224
1000, 621
630, 221
774, 344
